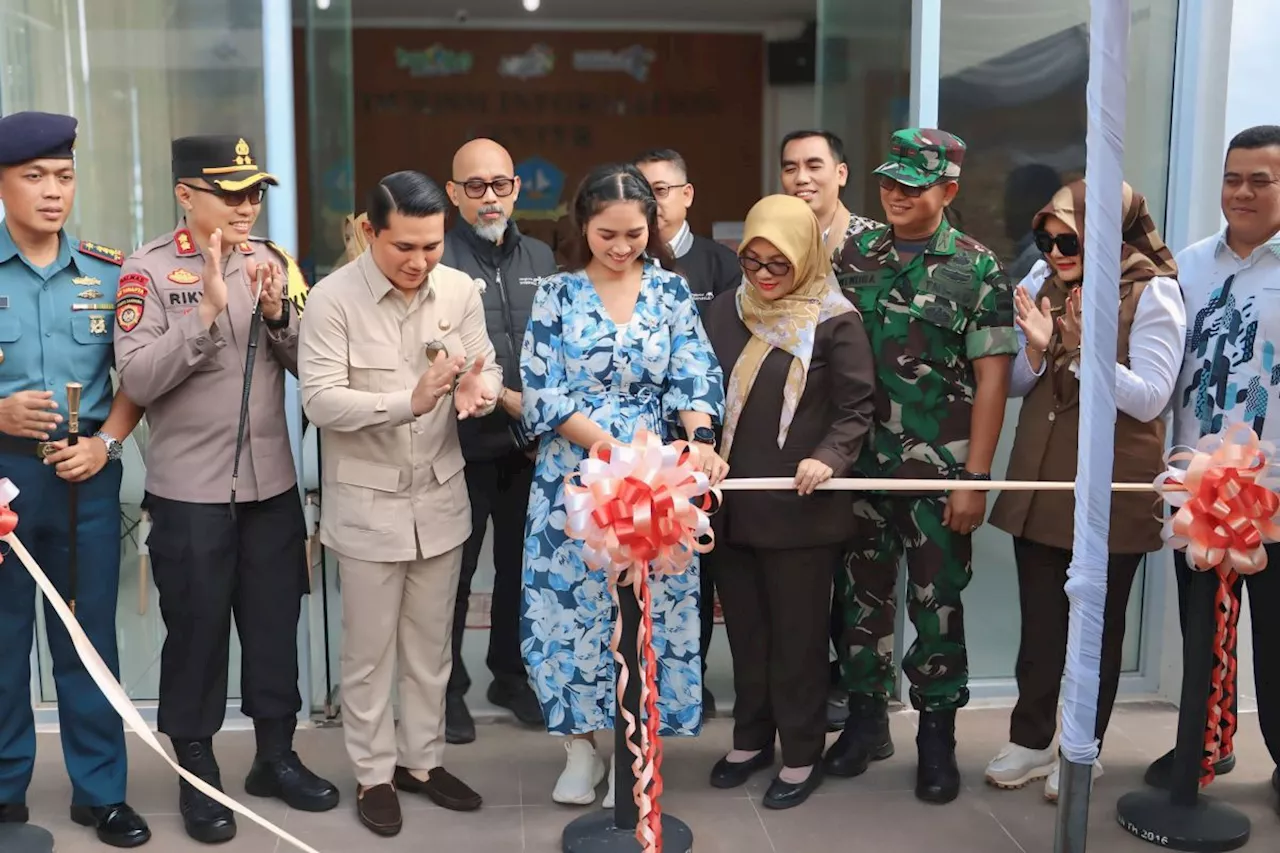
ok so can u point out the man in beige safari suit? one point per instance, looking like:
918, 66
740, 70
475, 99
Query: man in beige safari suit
392, 353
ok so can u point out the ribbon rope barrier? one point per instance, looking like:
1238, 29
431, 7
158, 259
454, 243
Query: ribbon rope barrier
642, 511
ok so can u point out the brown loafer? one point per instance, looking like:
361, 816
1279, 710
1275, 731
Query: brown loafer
442, 788
379, 808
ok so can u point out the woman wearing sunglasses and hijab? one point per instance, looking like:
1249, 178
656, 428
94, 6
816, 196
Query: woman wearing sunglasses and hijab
799, 404
1046, 375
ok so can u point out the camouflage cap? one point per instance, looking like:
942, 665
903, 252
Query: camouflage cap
920, 157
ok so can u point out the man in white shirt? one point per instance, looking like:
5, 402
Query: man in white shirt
1230, 374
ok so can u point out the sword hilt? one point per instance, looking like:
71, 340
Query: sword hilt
73, 411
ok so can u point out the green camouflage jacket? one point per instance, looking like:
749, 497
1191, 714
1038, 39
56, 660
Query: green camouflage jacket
927, 321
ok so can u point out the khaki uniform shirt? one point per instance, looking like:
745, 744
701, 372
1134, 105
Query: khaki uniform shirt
394, 489
191, 379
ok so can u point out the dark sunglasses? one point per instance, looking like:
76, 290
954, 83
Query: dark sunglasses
476, 188
1068, 244
253, 195
778, 268
889, 185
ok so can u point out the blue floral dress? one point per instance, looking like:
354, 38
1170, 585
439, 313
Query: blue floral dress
638, 375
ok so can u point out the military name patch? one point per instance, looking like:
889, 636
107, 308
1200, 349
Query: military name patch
181, 276
102, 253
186, 244
131, 299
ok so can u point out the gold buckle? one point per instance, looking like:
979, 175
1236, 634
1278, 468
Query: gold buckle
45, 449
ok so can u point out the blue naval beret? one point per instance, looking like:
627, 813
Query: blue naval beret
28, 136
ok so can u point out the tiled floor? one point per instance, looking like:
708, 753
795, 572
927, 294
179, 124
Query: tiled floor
515, 769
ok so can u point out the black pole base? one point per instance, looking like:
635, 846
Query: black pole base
598, 832
23, 838
1208, 826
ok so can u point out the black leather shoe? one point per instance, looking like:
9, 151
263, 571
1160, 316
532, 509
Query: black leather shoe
732, 774
865, 738
937, 775
514, 695
118, 825
204, 819
1160, 772
286, 778
14, 813
458, 725
785, 795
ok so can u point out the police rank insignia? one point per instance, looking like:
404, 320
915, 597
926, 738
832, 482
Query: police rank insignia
97, 324
131, 299
186, 245
181, 276
102, 253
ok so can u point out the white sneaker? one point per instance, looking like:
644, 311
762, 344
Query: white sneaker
1017, 766
1051, 784
607, 803
582, 772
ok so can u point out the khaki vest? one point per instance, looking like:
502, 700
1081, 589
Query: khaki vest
1045, 447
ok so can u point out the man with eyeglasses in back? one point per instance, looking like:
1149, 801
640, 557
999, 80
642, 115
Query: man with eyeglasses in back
507, 266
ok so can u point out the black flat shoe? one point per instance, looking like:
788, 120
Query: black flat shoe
459, 727
785, 795
117, 826
1160, 772
518, 698
732, 774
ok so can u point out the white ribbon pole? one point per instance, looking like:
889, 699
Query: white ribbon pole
1087, 576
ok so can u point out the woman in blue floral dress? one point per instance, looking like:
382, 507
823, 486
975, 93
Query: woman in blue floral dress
612, 347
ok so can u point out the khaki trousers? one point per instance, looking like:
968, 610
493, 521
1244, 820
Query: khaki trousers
396, 612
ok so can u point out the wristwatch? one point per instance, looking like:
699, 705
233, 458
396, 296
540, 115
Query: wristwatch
114, 448
704, 435
974, 476
283, 322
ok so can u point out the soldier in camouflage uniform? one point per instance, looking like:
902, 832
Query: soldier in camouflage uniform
938, 309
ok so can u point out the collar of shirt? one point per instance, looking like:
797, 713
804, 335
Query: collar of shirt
683, 241
380, 285
943, 242
1272, 246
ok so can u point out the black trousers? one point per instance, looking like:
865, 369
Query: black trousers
1264, 604
207, 567
706, 606
498, 490
776, 612
1042, 653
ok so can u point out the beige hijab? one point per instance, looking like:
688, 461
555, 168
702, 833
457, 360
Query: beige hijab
787, 323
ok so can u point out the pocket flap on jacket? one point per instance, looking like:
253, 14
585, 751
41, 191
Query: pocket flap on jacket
447, 465
368, 475
370, 356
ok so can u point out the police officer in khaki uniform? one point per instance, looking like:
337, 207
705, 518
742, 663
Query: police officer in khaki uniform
184, 311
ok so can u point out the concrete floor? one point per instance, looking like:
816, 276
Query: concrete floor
515, 769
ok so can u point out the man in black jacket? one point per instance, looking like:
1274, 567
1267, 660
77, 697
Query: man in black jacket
507, 266
711, 268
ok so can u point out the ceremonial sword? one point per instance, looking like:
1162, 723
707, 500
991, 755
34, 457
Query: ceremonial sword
73, 504
255, 326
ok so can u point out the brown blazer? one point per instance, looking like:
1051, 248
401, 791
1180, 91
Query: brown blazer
1045, 447
830, 424
394, 489
190, 379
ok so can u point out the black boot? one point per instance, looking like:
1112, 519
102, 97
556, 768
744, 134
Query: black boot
865, 737
205, 820
937, 776
278, 772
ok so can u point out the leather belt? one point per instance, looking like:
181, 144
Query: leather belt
40, 449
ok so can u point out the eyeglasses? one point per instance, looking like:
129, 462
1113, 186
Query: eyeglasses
778, 268
665, 190
253, 194
476, 188
889, 185
1068, 244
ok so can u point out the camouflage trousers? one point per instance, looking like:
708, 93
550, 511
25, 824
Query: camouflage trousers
939, 567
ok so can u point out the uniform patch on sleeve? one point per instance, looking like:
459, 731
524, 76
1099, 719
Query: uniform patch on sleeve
102, 253
131, 299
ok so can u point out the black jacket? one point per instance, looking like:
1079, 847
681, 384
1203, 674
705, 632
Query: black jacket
511, 272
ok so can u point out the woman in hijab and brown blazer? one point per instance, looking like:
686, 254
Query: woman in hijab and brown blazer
798, 404
1152, 324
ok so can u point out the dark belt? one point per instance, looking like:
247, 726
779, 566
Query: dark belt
41, 449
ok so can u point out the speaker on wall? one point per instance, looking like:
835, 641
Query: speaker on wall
794, 62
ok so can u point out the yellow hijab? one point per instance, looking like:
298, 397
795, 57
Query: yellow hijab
789, 322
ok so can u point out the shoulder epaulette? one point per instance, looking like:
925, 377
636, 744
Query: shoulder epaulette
102, 253
296, 283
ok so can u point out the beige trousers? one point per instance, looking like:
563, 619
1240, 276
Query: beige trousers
396, 613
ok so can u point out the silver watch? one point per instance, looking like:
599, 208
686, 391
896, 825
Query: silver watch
114, 448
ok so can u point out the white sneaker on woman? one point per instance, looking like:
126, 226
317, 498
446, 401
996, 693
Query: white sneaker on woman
1051, 784
1016, 766
607, 802
582, 772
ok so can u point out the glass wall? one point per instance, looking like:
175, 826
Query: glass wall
1012, 85
136, 73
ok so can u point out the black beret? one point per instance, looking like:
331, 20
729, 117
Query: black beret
28, 136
